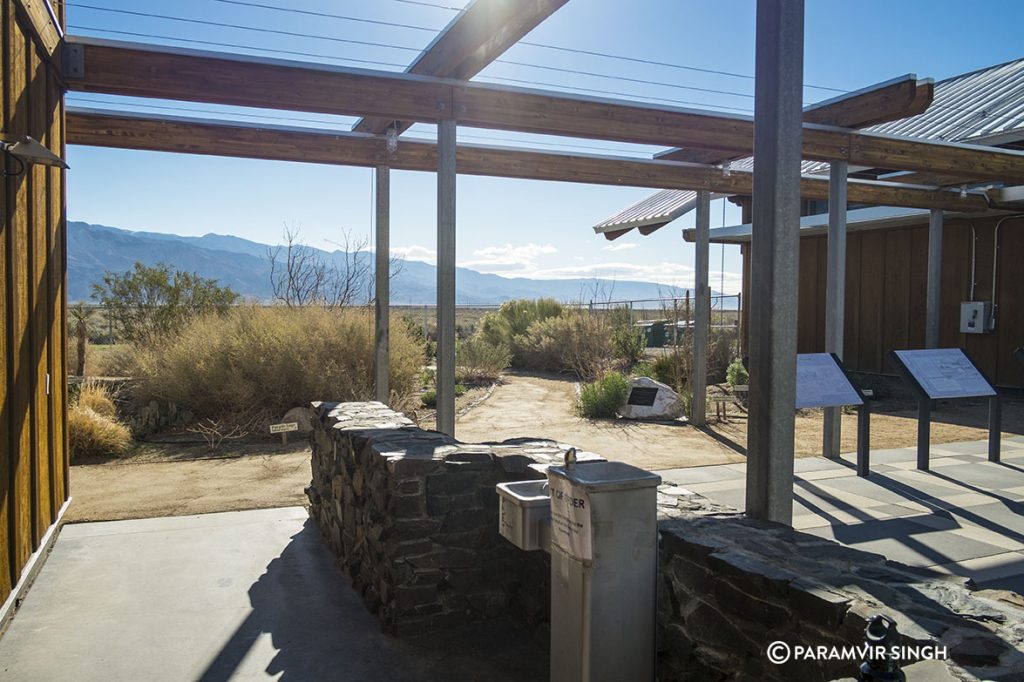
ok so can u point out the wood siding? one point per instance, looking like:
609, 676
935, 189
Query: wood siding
886, 278
33, 435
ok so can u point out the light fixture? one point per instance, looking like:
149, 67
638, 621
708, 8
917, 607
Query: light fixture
392, 140
27, 151
727, 169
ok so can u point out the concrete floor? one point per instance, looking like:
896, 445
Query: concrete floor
963, 517
250, 595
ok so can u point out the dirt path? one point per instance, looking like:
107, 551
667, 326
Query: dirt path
142, 489
542, 406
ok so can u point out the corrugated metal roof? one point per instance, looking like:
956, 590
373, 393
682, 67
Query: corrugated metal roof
981, 107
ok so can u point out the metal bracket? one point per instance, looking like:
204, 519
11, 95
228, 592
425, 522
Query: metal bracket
73, 60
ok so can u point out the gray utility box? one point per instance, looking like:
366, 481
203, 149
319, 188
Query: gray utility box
524, 507
975, 317
604, 560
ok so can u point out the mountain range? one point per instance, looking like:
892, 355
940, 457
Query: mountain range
244, 266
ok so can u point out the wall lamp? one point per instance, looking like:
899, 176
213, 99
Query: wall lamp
25, 150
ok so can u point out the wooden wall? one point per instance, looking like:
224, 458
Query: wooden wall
33, 433
886, 279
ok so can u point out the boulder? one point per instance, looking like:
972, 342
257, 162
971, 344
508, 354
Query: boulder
650, 399
303, 416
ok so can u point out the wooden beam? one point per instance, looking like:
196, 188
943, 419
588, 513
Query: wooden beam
167, 73
190, 136
43, 23
473, 39
889, 101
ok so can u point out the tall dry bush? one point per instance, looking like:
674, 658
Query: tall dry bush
508, 326
91, 434
98, 398
256, 362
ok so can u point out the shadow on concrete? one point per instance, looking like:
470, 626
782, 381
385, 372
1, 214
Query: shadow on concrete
723, 439
320, 629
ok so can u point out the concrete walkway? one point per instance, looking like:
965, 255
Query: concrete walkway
250, 595
963, 517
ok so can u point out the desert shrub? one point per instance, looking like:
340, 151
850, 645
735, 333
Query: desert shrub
429, 398
642, 369
603, 397
672, 369
478, 360
98, 398
509, 324
720, 354
91, 434
158, 300
120, 360
574, 342
629, 344
263, 361
736, 374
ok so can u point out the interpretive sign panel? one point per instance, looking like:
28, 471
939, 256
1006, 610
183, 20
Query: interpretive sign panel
570, 519
821, 382
944, 373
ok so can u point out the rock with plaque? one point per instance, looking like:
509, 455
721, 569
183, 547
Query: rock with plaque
650, 399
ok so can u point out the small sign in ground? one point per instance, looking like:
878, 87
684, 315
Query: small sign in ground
283, 428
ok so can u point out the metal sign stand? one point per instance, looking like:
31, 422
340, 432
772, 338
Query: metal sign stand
924, 412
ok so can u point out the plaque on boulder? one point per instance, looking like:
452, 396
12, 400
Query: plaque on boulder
650, 399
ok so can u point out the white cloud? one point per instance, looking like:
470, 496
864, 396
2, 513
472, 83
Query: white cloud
420, 253
619, 247
506, 256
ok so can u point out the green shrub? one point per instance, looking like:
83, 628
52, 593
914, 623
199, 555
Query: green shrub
642, 369
256, 362
629, 344
720, 354
91, 434
672, 368
429, 398
575, 342
736, 374
477, 360
507, 326
603, 397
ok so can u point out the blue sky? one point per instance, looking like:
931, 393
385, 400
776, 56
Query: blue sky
508, 227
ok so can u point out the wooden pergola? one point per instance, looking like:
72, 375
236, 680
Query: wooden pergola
435, 90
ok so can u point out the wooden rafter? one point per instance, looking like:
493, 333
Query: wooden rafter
131, 131
149, 71
889, 101
473, 39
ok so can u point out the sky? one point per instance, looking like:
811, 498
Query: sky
506, 227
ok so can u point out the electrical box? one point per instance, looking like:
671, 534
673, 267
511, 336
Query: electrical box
975, 317
524, 506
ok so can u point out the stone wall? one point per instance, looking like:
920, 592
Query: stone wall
730, 585
412, 517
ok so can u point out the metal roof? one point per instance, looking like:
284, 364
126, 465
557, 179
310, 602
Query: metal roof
981, 107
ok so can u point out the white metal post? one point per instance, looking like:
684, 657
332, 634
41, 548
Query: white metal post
933, 295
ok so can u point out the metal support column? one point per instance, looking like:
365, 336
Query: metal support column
835, 294
382, 285
932, 298
778, 128
445, 376
702, 312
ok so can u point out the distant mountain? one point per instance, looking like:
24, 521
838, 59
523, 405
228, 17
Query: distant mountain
243, 265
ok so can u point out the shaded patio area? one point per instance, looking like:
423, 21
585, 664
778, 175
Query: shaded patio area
963, 517
248, 595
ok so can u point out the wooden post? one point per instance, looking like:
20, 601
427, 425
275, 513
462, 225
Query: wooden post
446, 140
778, 132
382, 290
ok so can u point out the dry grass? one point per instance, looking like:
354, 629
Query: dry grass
91, 434
98, 398
263, 361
